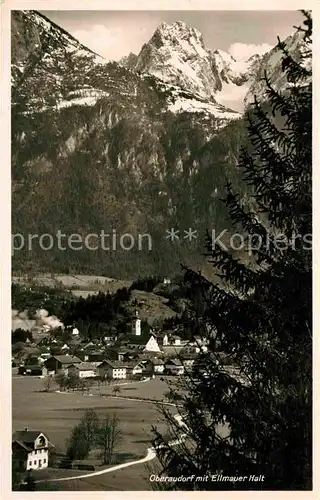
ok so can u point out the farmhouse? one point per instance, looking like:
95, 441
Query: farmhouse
97, 356
135, 368
174, 367
112, 369
58, 364
155, 366
83, 370
30, 449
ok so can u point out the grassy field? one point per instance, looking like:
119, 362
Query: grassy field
153, 389
56, 414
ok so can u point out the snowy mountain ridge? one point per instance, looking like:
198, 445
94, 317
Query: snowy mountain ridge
177, 55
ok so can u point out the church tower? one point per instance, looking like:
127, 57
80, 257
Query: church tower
136, 326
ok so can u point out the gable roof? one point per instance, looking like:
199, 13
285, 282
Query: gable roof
157, 361
33, 368
65, 359
174, 361
85, 366
23, 445
136, 340
26, 436
114, 364
188, 355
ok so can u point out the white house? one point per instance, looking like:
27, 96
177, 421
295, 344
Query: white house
175, 340
30, 449
155, 365
112, 369
135, 368
138, 368
83, 370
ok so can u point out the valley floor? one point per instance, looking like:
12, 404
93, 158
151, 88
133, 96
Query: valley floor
56, 414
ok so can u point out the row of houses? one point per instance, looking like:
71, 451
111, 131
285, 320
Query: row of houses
111, 369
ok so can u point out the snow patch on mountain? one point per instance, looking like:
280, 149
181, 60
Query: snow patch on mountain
209, 108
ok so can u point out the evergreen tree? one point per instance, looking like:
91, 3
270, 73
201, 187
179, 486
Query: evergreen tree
253, 414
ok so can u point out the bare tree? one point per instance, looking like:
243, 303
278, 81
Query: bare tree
116, 390
90, 426
47, 383
61, 380
73, 381
82, 385
89, 384
109, 436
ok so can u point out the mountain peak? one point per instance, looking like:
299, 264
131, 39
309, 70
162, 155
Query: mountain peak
178, 27
176, 54
176, 33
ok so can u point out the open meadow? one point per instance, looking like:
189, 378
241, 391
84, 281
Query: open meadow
55, 414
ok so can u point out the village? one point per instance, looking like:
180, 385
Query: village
75, 366
135, 356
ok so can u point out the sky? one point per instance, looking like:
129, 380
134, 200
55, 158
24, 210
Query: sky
114, 34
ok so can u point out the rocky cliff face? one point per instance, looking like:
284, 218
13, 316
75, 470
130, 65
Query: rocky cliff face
137, 147
271, 64
177, 55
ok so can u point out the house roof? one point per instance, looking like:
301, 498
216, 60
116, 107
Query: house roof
33, 367
26, 436
133, 364
188, 355
85, 366
157, 361
23, 445
172, 349
136, 340
114, 364
174, 361
67, 360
